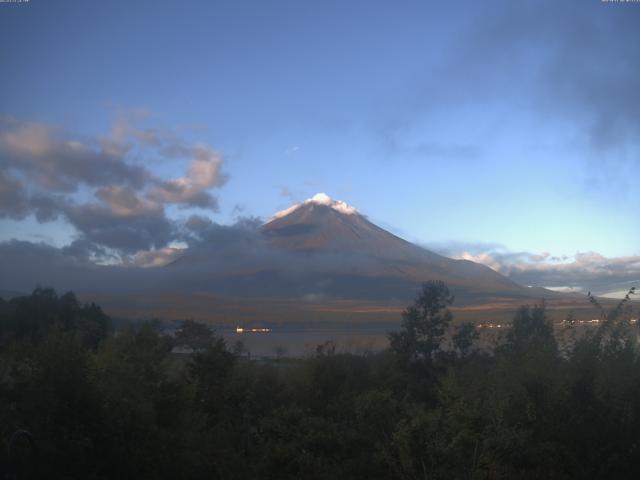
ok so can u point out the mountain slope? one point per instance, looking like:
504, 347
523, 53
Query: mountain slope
321, 250
324, 226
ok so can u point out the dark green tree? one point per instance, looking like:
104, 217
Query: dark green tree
531, 330
424, 324
209, 370
194, 334
31, 317
463, 339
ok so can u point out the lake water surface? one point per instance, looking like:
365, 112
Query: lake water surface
299, 341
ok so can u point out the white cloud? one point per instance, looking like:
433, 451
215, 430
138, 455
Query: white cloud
157, 258
123, 202
205, 172
581, 272
567, 289
484, 258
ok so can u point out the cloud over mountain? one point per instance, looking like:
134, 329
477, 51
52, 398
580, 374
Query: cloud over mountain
581, 272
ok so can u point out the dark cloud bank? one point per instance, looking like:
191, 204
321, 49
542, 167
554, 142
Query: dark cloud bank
238, 260
235, 260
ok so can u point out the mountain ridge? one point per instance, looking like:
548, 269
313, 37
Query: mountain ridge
324, 249
324, 225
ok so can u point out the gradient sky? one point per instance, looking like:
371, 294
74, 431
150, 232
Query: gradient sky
495, 122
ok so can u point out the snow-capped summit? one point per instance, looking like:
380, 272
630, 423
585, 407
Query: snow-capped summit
318, 199
324, 199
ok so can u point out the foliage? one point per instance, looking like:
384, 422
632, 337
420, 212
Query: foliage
424, 324
32, 317
194, 335
80, 401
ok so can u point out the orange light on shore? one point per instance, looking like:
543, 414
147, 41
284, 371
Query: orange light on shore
252, 330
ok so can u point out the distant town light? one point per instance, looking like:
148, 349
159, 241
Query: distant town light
252, 330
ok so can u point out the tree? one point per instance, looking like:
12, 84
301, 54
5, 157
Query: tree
280, 351
530, 330
239, 349
210, 370
32, 317
463, 339
58, 404
137, 395
194, 334
424, 324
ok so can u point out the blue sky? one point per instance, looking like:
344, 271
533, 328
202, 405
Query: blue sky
497, 122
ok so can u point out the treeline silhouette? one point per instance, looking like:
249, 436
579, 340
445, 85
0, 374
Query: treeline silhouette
79, 400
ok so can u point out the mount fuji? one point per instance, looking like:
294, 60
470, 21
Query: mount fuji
325, 249
321, 260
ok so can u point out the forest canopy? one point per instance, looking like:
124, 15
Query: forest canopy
81, 399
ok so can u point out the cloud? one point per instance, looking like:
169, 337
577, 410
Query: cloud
157, 258
191, 190
234, 260
16, 203
13, 203
590, 270
127, 131
198, 223
238, 260
68, 268
58, 163
123, 202
564, 59
531, 64
122, 220
96, 184
584, 271
214, 251
243, 238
